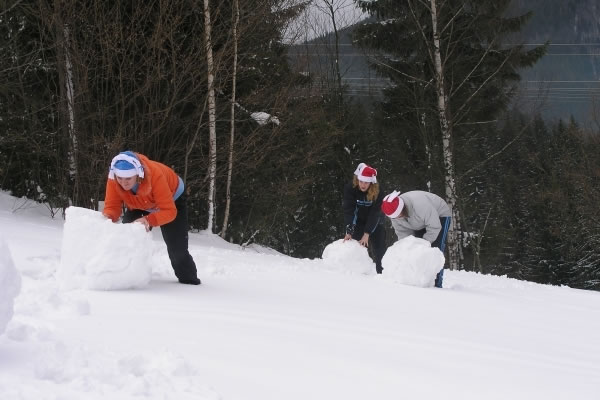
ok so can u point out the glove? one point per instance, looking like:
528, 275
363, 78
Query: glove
350, 229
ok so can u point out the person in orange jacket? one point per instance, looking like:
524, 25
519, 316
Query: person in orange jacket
154, 196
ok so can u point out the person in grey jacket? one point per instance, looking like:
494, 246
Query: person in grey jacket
420, 214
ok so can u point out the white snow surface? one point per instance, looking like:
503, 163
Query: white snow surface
412, 261
10, 285
266, 326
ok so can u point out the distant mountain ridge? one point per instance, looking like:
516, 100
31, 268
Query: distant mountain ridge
569, 74
566, 81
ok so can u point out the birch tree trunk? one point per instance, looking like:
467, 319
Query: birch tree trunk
192, 143
446, 129
67, 93
236, 13
70, 103
212, 141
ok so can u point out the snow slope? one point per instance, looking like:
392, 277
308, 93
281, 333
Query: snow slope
267, 326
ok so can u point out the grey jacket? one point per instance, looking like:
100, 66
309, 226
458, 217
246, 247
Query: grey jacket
424, 210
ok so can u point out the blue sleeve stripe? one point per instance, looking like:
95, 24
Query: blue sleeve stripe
444, 233
180, 188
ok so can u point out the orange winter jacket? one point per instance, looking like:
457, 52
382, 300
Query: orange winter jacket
154, 192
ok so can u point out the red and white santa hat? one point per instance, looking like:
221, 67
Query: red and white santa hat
392, 204
365, 173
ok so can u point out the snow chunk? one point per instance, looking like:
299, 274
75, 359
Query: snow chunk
412, 261
348, 256
64, 371
99, 254
264, 118
10, 285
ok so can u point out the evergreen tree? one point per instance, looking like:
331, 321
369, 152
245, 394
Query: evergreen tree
30, 148
546, 226
451, 69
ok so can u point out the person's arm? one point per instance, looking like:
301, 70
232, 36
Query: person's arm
400, 230
432, 224
112, 201
364, 240
349, 208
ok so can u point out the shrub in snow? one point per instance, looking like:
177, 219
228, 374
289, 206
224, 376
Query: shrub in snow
348, 256
412, 261
99, 254
10, 285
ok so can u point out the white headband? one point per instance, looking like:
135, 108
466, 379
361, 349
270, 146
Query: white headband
137, 170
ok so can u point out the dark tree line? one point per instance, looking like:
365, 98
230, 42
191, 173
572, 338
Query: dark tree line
83, 80
548, 188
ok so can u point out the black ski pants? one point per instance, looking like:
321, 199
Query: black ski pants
175, 235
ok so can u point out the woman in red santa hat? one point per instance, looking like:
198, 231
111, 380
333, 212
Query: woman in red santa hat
362, 212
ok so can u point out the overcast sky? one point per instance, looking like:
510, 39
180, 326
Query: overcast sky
318, 19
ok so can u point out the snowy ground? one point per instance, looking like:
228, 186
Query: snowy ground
265, 326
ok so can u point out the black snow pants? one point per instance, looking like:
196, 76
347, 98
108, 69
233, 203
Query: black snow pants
175, 235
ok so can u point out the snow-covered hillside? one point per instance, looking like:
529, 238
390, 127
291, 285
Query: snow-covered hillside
265, 326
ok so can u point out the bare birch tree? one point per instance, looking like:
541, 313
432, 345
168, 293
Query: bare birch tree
67, 89
234, 34
212, 124
446, 129
329, 8
321, 29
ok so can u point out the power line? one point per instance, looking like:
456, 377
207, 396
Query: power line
342, 55
561, 81
528, 81
574, 89
559, 44
508, 44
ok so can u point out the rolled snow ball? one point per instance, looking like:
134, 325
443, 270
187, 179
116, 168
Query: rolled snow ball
10, 285
348, 257
100, 255
412, 261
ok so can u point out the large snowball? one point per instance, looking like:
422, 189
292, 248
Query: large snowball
99, 254
348, 256
412, 261
10, 285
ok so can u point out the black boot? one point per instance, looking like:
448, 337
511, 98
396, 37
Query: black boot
439, 278
190, 281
